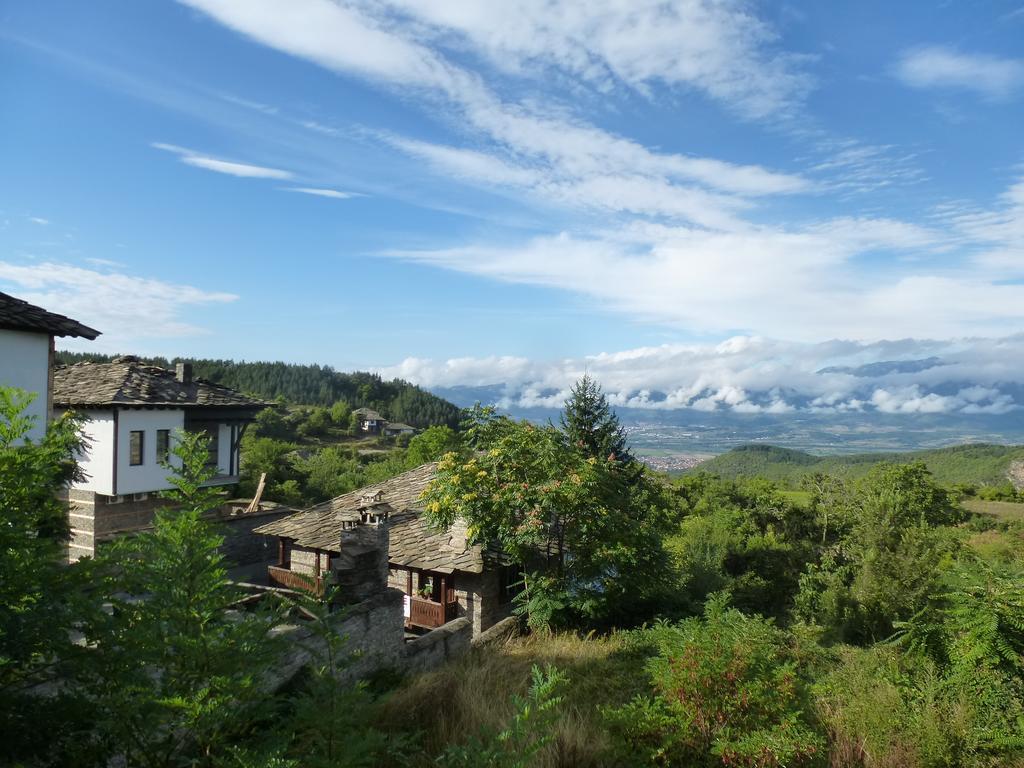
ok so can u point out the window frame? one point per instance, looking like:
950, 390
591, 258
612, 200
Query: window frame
141, 448
163, 445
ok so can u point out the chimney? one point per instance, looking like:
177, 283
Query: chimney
360, 569
183, 372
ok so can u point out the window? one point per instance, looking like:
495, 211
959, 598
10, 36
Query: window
163, 444
135, 447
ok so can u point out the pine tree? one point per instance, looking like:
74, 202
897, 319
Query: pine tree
591, 426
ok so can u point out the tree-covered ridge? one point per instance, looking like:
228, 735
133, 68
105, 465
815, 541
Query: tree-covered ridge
979, 464
396, 400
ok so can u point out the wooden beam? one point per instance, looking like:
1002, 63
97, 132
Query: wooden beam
254, 505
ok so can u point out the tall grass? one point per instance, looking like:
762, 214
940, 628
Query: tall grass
474, 694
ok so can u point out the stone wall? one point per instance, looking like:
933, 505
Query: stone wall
501, 632
375, 636
433, 649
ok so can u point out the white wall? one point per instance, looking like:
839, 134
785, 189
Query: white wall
149, 476
25, 363
97, 461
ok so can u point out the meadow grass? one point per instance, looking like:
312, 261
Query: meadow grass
1004, 510
473, 694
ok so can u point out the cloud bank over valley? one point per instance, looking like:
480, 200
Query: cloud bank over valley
755, 375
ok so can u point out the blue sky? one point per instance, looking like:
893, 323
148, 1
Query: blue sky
459, 191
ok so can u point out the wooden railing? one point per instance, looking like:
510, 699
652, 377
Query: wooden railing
283, 577
428, 614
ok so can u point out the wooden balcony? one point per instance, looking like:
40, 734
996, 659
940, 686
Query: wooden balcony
288, 579
429, 614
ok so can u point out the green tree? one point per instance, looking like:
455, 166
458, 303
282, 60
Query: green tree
41, 597
178, 668
273, 457
890, 559
591, 426
273, 423
341, 413
431, 444
331, 472
595, 537
316, 423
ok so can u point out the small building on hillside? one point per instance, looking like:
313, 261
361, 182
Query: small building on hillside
396, 428
442, 576
133, 413
370, 421
26, 352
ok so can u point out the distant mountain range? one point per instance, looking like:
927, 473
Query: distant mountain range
665, 431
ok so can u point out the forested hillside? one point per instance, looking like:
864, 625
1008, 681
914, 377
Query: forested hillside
313, 385
980, 465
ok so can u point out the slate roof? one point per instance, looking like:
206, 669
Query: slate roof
413, 543
18, 315
399, 426
126, 381
368, 413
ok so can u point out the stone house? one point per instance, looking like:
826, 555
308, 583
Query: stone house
396, 428
370, 421
133, 411
26, 353
441, 576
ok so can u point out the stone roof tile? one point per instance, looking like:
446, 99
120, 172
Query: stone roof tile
18, 315
126, 381
413, 543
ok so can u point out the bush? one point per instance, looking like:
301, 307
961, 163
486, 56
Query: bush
727, 692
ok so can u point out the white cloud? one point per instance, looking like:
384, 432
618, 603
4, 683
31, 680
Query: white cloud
125, 308
798, 285
321, 192
231, 168
993, 77
39, 220
541, 148
757, 375
718, 48
680, 241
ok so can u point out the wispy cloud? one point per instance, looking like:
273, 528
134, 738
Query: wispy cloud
993, 77
39, 220
323, 192
541, 147
218, 165
798, 283
720, 49
126, 308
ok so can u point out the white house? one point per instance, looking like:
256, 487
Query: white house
369, 420
134, 411
26, 352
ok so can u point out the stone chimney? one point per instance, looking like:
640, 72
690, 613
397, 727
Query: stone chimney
361, 568
458, 535
183, 372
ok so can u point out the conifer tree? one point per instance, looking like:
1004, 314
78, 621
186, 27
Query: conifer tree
591, 426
